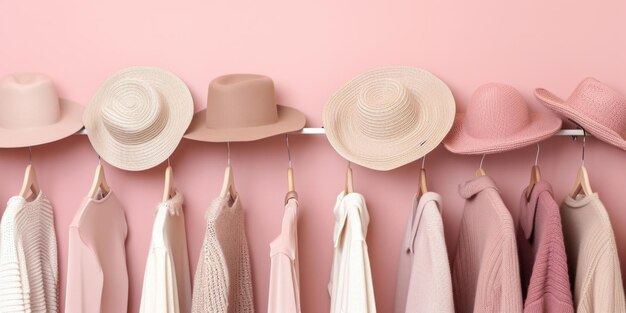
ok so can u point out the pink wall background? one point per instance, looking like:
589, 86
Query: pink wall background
310, 49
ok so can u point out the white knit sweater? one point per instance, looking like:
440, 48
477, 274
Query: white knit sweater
28, 257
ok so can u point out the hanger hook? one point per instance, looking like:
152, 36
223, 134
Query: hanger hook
349, 165
482, 160
228, 152
288, 149
537, 155
584, 142
30, 155
423, 161
168, 162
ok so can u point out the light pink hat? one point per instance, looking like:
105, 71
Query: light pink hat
498, 119
594, 106
31, 112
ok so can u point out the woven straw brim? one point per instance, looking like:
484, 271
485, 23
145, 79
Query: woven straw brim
289, 119
586, 122
434, 111
143, 155
541, 127
70, 122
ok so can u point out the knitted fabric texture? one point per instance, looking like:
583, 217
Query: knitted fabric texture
485, 274
223, 280
28, 257
592, 256
543, 262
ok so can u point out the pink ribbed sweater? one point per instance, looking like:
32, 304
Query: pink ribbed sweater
485, 274
543, 263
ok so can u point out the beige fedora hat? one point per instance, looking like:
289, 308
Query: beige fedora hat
389, 116
138, 116
242, 107
31, 112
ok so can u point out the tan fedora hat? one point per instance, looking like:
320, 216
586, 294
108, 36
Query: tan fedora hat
31, 112
242, 107
138, 116
389, 116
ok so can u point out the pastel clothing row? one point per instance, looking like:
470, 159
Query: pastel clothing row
223, 280
284, 286
28, 257
167, 278
424, 281
97, 277
485, 272
543, 260
592, 256
351, 289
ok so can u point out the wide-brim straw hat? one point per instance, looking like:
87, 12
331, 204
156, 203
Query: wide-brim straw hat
31, 112
595, 107
242, 107
389, 116
498, 119
138, 117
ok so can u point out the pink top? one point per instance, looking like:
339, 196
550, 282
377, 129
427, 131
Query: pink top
284, 291
485, 274
424, 283
97, 279
543, 262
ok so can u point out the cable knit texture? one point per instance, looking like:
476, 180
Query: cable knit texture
543, 262
485, 273
592, 256
28, 257
223, 280
167, 279
424, 282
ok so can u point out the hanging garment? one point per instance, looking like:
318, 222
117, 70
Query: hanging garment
28, 257
167, 280
485, 274
223, 280
543, 262
284, 291
424, 282
351, 289
592, 256
97, 278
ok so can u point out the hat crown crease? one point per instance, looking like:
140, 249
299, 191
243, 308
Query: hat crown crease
136, 112
602, 104
28, 100
496, 111
385, 109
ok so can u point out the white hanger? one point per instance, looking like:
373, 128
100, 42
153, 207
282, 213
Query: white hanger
349, 185
535, 175
99, 187
582, 183
30, 182
423, 188
480, 172
168, 190
228, 187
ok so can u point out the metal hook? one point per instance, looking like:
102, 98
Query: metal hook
584, 142
537, 155
481, 161
423, 161
228, 152
168, 162
349, 165
99, 160
30, 155
288, 149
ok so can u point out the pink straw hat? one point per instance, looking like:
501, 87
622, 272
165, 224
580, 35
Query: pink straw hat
594, 106
498, 119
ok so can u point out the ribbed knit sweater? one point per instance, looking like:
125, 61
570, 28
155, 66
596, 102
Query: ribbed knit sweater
543, 262
592, 256
223, 280
28, 257
485, 274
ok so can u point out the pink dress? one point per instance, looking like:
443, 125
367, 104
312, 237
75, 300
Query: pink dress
97, 279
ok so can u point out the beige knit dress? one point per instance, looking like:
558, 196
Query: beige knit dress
223, 281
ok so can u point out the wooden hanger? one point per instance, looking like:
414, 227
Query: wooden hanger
582, 178
535, 176
228, 186
168, 190
290, 180
480, 172
99, 185
349, 185
30, 182
423, 188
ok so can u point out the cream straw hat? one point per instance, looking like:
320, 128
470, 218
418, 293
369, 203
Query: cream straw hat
138, 117
389, 116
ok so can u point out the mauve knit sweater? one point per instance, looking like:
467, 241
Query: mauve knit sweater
485, 274
543, 262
